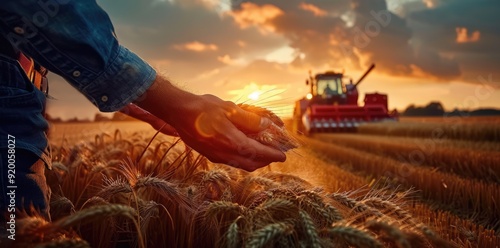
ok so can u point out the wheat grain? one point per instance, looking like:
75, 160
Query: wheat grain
61, 206
147, 210
402, 214
277, 204
323, 214
355, 205
268, 183
232, 235
433, 238
222, 207
95, 200
310, 230
114, 187
30, 225
353, 236
275, 135
65, 243
161, 186
266, 235
287, 180
391, 231
93, 213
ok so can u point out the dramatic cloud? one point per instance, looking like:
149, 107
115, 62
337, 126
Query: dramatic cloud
426, 39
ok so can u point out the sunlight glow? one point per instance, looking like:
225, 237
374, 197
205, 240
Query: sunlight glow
265, 96
254, 95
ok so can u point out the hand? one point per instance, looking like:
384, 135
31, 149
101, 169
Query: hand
209, 125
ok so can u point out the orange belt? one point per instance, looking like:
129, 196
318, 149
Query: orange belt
37, 77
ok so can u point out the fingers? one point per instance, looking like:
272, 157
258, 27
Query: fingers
166, 129
249, 157
247, 121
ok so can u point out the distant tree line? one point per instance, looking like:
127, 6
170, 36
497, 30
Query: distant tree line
436, 109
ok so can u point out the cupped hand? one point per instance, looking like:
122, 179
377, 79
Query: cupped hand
213, 127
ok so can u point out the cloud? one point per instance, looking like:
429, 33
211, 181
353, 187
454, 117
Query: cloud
251, 14
430, 3
196, 46
463, 35
226, 59
313, 9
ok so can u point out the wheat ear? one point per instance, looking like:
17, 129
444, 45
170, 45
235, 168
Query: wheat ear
65, 243
392, 231
310, 229
353, 236
266, 235
95, 213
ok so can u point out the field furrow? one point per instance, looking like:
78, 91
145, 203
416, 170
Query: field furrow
466, 197
467, 163
450, 128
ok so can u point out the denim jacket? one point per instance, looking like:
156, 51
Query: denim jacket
74, 39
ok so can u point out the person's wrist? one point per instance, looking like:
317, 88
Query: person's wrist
166, 101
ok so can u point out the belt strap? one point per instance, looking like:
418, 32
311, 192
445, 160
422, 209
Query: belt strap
37, 77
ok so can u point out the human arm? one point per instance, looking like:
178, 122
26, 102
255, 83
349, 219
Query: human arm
137, 112
78, 43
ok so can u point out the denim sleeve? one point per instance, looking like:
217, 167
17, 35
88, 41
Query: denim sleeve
75, 39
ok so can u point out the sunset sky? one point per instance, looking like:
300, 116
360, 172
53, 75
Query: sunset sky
425, 50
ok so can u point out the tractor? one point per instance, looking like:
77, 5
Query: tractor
332, 105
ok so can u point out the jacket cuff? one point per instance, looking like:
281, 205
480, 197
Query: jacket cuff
125, 79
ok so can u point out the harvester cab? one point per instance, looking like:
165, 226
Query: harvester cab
327, 88
332, 105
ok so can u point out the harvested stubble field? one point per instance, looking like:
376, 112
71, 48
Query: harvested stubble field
392, 187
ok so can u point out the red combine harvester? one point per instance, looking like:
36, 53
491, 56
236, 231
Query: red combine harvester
332, 106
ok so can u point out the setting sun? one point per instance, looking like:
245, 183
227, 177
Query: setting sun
254, 95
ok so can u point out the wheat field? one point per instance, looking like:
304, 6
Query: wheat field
123, 185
